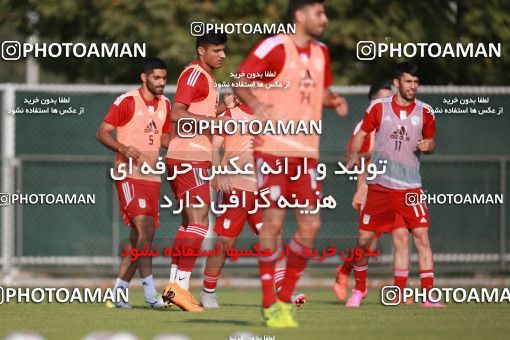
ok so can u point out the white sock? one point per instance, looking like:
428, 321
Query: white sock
149, 289
119, 283
182, 279
173, 272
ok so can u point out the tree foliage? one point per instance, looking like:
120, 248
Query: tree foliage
164, 26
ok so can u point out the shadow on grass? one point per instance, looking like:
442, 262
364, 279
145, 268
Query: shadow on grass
166, 309
342, 304
230, 322
238, 305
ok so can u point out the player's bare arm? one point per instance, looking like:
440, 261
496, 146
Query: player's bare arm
165, 140
336, 102
220, 182
357, 142
180, 111
104, 135
427, 146
361, 191
229, 102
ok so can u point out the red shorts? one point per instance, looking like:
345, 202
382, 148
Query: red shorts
385, 210
190, 181
305, 187
231, 222
138, 197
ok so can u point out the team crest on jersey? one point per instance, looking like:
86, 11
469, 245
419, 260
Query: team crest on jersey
142, 203
226, 224
275, 192
151, 127
401, 133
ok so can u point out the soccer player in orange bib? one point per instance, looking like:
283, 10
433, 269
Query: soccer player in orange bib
238, 148
376, 91
196, 98
302, 63
139, 118
404, 127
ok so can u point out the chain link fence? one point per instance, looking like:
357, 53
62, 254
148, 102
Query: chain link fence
56, 152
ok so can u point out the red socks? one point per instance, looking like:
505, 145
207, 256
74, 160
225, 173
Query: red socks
400, 278
266, 270
210, 282
278, 278
192, 241
179, 237
347, 268
427, 279
296, 264
360, 276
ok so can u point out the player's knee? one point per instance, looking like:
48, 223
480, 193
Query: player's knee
272, 226
227, 241
365, 239
270, 230
312, 227
196, 216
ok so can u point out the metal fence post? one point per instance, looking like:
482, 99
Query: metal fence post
8, 177
502, 215
115, 229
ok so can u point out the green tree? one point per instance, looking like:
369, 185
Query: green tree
164, 27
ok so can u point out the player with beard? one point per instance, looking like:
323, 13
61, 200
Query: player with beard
302, 62
139, 140
404, 128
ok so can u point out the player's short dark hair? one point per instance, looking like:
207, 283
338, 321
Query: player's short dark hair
150, 64
375, 88
295, 5
406, 67
211, 39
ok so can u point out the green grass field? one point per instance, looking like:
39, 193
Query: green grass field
321, 318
